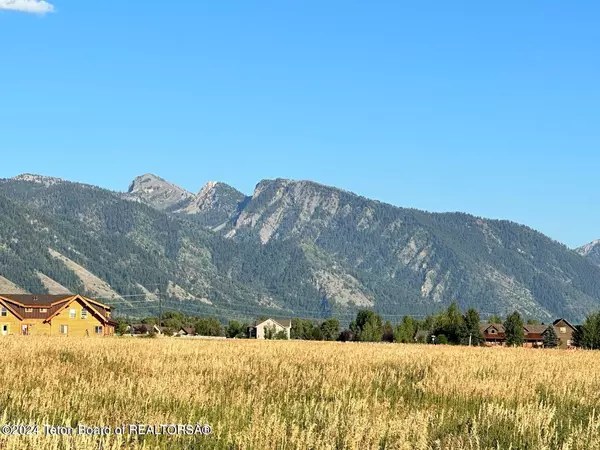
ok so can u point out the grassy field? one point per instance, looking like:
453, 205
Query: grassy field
310, 395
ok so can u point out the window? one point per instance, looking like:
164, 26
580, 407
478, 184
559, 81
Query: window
5, 328
64, 329
563, 330
28, 309
98, 330
84, 313
492, 331
44, 310
72, 314
3, 312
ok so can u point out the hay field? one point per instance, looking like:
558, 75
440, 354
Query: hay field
308, 395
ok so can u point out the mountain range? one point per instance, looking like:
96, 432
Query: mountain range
292, 248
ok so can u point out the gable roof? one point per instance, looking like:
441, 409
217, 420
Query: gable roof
189, 331
68, 303
535, 329
486, 326
284, 323
6, 304
565, 321
36, 301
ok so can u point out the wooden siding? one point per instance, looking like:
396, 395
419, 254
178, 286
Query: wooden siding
36, 322
77, 326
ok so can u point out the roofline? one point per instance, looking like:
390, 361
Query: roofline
68, 303
57, 302
274, 320
37, 305
564, 320
96, 302
16, 314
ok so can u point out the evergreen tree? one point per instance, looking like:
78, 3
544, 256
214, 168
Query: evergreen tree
451, 324
589, 334
208, 327
330, 329
406, 330
550, 338
513, 330
235, 329
368, 326
388, 332
472, 332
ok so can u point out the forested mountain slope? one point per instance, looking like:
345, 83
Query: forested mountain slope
292, 248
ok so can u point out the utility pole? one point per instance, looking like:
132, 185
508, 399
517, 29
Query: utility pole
160, 311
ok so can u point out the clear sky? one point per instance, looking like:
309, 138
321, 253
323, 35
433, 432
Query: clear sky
491, 108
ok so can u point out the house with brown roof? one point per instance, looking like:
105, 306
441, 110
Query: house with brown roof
564, 331
261, 329
143, 329
186, 331
493, 333
533, 335
66, 315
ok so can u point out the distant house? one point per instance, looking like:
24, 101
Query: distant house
186, 332
260, 328
143, 329
564, 331
67, 315
493, 334
533, 335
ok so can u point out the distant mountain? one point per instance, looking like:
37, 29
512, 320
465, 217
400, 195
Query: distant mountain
214, 205
591, 251
292, 248
159, 194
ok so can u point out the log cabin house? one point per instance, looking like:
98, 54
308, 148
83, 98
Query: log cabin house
49, 315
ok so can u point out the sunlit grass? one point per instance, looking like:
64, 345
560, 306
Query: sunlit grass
310, 395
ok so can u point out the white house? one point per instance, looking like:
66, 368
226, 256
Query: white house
263, 328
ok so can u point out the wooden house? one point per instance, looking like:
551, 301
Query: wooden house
72, 315
564, 331
533, 335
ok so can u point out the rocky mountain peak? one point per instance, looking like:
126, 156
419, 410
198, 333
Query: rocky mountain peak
38, 179
591, 251
586, 249
219, 200
158, 193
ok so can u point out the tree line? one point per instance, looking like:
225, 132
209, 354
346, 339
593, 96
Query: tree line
450, 326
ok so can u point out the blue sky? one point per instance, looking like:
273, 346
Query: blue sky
491, 108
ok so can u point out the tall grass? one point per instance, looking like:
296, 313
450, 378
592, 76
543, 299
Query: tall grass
307, 395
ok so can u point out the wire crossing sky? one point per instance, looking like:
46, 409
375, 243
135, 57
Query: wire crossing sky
490, 108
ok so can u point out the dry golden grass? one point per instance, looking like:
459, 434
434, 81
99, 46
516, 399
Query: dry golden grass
307, 395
